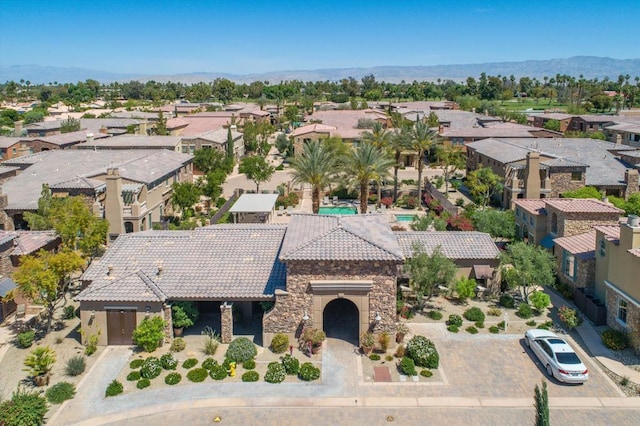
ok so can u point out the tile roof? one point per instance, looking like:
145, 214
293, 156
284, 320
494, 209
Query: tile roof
313, 128
6, 285
582, 205
67, 138
454, 245
8, 141
134, 287
357, 237
254, 203
611, 232
27, 242
197, 124
78, 182
216, 136
583, 246
635, 252
533, 206
133, 142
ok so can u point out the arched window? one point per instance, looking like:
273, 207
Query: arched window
554, 223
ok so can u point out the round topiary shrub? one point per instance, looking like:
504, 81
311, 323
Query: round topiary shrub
114, 388
615, 340
151, 368
250, 376
426, 373
133, 376
507, 301
241, 349
60, 392
209, 363
453, 328
474, 314
136, 363
455, 320
143, 383
219, 372
308, 372
290, 364
524, 311
189, 363
374, 357
173, 378
279, 343
471, 329
408, 366
493, 329
275, 373
197, 375
168, 362
435, 315
479, 324
177, 345
249, 364
423, 352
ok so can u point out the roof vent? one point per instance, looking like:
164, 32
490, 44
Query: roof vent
110, 271
633, 220
160, 269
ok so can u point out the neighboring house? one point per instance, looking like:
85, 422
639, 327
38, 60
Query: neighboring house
254, 208
61, 141
624, 133
590, 123
540, 120
460, 137
172, 143
197, 124
43, 128
214, 139
117, 126
311, 132
11, 147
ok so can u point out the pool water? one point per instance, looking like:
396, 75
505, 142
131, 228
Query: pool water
405, 217
337, 210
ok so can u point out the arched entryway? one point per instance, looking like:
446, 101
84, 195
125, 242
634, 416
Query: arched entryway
341, 320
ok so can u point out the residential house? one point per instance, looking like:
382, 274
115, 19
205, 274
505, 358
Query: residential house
540, 120
627, 133
172, 143
254, 208
215, 139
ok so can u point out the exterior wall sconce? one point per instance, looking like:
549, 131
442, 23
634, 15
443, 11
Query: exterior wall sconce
147, 311
378, 318
305, 317
93, 314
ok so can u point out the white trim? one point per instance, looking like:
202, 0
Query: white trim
622, 293
120, 308
341, 285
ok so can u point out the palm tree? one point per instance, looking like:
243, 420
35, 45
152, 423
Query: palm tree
316, 165
422, 141
380, 138
399, 142
362, 165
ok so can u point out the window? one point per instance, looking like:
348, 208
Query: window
554, 223
569, 267
517, 211
530, 220
622, 311
576, 175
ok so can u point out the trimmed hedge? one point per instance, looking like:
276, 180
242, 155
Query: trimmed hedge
408, 366
143, 383
423, 352
241, 349
173, 378
197, 375
250, 376
308, 372
133, 376
219, 372
189, 363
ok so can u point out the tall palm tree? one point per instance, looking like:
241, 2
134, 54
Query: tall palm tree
316, 165
380, 138
421, 142
399, 142
362, 165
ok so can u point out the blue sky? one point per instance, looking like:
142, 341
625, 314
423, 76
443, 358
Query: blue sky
242, 37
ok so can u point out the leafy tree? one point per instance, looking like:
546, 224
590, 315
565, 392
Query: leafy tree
498, 224
33, 116
541, 404
429, 271
161, 126
630, 206
553, 125
465, 288
211, 186
530, 266
208, 160
291, 112
185, 195
540, 300
449, 159
284, 145
315, 166
149, 333
433, 120
70, 125
584, 192
483, 184
257, 169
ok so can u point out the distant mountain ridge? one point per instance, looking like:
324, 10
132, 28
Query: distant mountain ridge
588, 66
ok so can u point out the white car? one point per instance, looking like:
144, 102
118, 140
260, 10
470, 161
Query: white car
556, 356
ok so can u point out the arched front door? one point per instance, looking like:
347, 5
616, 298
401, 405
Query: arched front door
341, 320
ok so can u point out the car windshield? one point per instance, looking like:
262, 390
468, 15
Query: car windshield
567, 358
556, 341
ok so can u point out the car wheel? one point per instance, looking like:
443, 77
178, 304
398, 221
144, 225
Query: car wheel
549, 371
526, 342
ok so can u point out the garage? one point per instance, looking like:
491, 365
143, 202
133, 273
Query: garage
120, 326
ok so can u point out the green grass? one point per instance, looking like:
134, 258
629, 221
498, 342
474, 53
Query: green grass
523, 104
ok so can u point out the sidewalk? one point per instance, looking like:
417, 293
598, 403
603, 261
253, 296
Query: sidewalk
596, 348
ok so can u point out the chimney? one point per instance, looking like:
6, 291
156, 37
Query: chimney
630, 233
17, 128
113, 204
23, 150
104, 130
618, 139
89, 138
631, 181
532, 176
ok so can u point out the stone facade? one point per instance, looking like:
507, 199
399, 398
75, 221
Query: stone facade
561, 181
569, 224
168, 323
631, 179
633, 318
585, 272
226, 322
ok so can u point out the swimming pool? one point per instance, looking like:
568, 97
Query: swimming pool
405, 217
337, 210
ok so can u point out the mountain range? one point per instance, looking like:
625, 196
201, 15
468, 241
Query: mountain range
588, 66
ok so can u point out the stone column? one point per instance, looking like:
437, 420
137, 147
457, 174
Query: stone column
226, 322
168, 323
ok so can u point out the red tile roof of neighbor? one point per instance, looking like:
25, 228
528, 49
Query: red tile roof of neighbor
611, 232
197, 125
635, 252
532, 206
582, 205
313, 128
581, 245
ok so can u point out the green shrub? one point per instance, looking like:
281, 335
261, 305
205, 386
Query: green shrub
26, 338
219, 372
501, 325
435, 315
168, 362
531, 323
136, 363
493, 329
198, 375
614, 339
471, 329
114, 388
209, 363
374, 357
143, 383
291, 364
241, 349
540, 300
524, 311
173, 378
149, 333
249, 364
189, 363
69, 312
423, 352
279, 343
91, 344
507, 301
455, 320
426, 373
408, 366
275, 373
400, 351
151, 368
545, 326
60, 392
133, 376
479, 324
25, 408
177, 345
388, 358
569, 316
250, 376
474, 314
453, 328
308, 372
75, 365
189, 308
494, 312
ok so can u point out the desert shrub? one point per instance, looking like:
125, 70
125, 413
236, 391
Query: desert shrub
143, 383
291, 364
531, 323
75, 366
435, 315
388, 358
250, 376
151, 368
494, 312
472, 330
546, 325
60, 392
426, 373
507, 301
279, 343
136, 363
569, 316
177, 345
501, 325
308, 372
198, 375
400, 351
408, 366
26, 338
219, 372
275, 373
423, 352
212, 340
114, 388
133, 376
189, 363
149, 333
209, 363
524, 311
168, 362
384, 339
173, 378
241, 349
249, 364
69, 312
540, 300
91, 344
493, 329
25, 408
453, 328
474, 314
374, 357
479, 324
455, 320
614, 339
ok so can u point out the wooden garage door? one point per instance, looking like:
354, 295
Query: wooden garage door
120, 326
